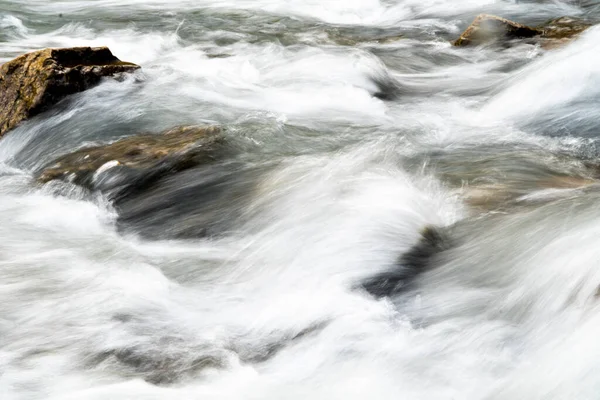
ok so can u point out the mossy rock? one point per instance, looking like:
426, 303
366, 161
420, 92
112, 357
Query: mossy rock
33, 82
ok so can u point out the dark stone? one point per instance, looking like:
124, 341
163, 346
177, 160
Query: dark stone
412, 263
387, 88
160, 367
208, 200
167, 357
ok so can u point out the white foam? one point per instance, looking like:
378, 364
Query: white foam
282, 288
358, 12
555, 80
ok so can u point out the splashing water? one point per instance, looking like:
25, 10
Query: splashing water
352, 126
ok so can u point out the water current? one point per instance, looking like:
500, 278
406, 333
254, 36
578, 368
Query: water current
351, 127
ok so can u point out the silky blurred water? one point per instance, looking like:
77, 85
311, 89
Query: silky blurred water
350, 127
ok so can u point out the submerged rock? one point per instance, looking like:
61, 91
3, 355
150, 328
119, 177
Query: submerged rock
488, 28
186, 182
492, 178
147, 155
411, 264
504, 197
33, 82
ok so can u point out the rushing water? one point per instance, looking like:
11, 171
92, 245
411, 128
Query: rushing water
351, 126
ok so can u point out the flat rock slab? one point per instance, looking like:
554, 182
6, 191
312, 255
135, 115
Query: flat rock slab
33, 82
488, 28
173, 150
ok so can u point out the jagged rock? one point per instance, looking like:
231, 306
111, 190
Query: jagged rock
33, 82
147, 154
487, 28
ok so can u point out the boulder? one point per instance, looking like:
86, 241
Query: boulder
486, 28
33, 82
144, 155
489, 28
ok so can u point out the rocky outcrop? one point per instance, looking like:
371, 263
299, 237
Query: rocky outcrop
33, 82
489, 28
148, 155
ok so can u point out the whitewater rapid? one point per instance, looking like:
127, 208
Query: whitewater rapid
352, 126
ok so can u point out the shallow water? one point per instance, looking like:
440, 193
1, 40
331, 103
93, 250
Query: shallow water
350, 126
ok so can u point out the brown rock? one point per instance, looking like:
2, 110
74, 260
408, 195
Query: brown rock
496, 177
503, 196
487, 28
563, 27
33, 82
170, 151
561, 30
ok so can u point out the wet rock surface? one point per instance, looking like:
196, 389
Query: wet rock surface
157, 154
562, 30
411, 264
563, 27
184, 182
502, 178
33, 82
205, 201
490, 28
486, 28
498, 185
